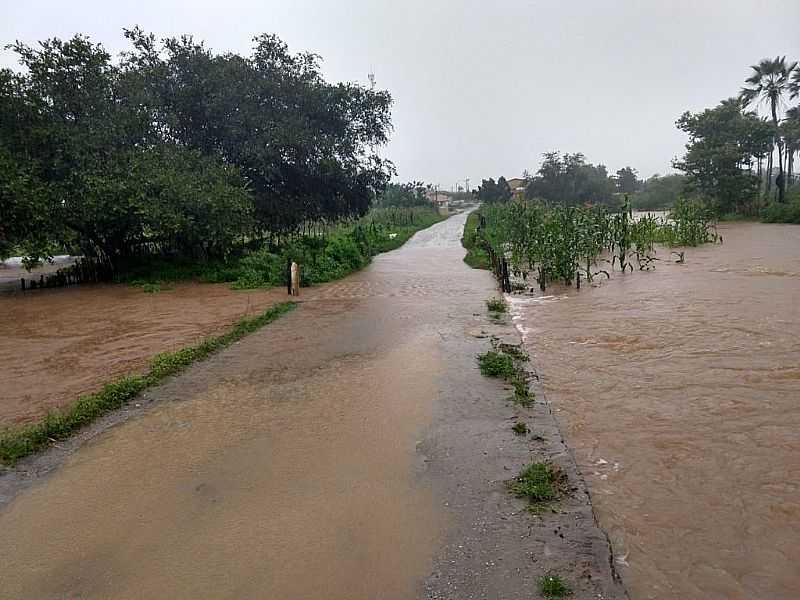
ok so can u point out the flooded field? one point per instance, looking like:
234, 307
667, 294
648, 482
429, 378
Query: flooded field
56, 344
680, 392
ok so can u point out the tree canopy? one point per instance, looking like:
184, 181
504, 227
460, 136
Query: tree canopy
177, 148
570, 180
491, 191
723, 142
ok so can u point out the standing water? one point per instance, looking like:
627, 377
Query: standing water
679, 390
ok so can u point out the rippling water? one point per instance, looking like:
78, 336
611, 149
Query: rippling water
680, 392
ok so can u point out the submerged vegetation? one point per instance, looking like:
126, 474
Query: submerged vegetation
16, 443
497, 305
554, 242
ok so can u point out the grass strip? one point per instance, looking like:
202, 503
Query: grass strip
18, 442
476, 257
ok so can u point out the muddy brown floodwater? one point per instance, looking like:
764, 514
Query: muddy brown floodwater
680, 393
56, 344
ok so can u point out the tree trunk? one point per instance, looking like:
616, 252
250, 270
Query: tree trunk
769, 171
781, 181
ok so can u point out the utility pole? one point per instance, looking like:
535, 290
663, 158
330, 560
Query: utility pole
466, 185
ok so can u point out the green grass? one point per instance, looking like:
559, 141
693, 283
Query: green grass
552, 586
496, 364
522, 394
503, 362
497, 305
476, 257
16, 443
538, 482
520, 428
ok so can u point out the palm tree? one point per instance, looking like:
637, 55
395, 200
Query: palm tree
770, 82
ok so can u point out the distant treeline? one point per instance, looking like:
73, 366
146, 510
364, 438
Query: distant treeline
175, 150
571, 180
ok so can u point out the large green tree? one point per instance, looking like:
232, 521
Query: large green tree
719, 155
176, 149
627, 180
571, 180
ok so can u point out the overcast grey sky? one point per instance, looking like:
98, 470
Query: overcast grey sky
484, 88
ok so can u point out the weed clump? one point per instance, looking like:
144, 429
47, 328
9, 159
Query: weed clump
520, 428
522, 394
496, 364
502, 362
552, 586
497, 305
151, 288
538, 482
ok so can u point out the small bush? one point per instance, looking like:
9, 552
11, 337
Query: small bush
538, 482
496, 364
520, 428
522, 394
552, 586
497, 305
788, 212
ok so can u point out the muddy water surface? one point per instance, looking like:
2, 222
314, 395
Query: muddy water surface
56, 344
680, 392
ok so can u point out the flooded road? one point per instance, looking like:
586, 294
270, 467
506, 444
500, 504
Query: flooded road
679, 391
284, 467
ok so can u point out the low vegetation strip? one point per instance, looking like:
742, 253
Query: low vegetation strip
476, 256
16, 443
329, 255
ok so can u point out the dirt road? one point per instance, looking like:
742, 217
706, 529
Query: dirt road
351, 450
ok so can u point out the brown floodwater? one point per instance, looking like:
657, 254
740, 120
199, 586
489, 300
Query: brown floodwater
679, 391
56, 344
